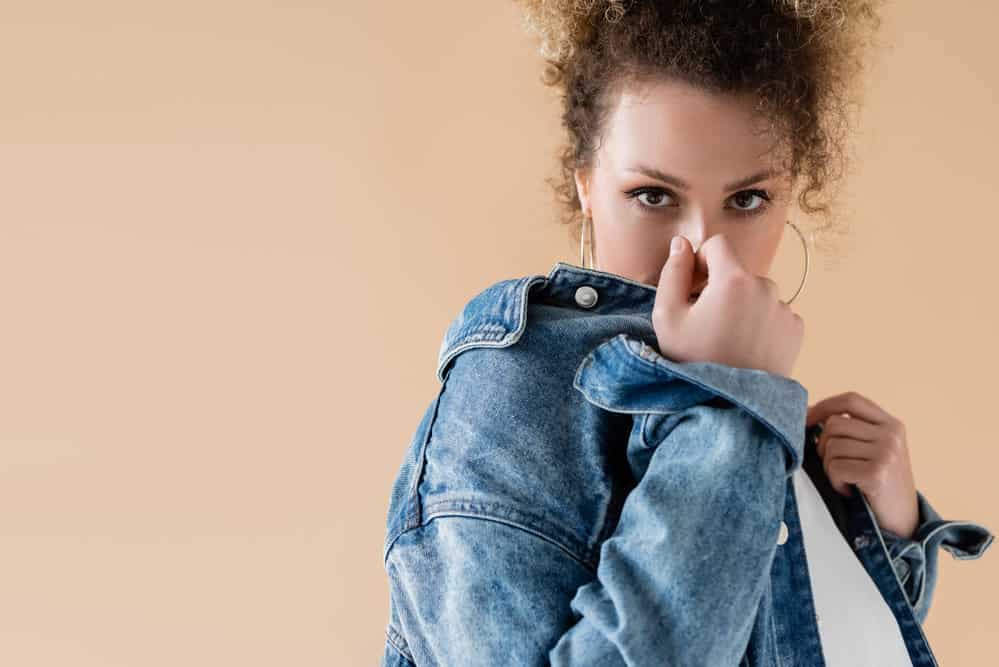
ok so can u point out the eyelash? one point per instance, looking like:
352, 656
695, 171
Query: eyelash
634, 201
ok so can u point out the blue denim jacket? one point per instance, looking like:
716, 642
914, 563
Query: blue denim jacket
572, 497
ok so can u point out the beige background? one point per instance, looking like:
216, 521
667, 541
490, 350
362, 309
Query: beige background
232, 235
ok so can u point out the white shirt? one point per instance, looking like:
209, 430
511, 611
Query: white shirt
856, 626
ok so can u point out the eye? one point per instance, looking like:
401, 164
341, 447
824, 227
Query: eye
654, 197
743, 195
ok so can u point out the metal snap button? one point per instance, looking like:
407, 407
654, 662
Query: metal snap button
586, 296
782, 536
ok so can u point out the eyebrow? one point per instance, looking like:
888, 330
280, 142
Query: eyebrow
652, 172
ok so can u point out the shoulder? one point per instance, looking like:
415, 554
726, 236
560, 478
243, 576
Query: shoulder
494, 317
571, 307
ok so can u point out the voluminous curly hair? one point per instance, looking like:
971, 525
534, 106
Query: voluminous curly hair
801, 59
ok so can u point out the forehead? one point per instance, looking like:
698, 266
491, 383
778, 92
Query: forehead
692, 130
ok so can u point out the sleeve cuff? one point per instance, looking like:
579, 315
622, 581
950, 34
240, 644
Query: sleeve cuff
625, 374
915, 558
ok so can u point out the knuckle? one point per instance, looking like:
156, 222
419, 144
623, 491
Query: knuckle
882, 458
896, 441
853, 399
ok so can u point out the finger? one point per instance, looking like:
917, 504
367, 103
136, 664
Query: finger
716, 258
842, 472
841, 447
849, 402
771, 287
673, 290
847, 427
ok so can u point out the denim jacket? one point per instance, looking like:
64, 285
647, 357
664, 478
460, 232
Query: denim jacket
572, 497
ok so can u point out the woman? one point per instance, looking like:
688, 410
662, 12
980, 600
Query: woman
618, 468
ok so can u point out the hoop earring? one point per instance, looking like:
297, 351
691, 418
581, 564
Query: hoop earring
804, 276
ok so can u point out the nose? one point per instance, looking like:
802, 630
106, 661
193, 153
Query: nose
696, 228
694, 240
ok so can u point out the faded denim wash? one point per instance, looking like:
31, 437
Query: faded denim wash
572, 497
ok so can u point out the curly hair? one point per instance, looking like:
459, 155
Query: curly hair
799, 58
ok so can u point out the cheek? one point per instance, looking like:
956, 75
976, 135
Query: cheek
634, 251
758, 248
642, 247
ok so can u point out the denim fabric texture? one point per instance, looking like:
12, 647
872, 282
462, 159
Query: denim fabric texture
572, 497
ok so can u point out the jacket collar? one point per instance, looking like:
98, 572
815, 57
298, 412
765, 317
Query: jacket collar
497, 315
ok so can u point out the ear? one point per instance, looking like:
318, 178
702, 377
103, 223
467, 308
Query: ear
582, 178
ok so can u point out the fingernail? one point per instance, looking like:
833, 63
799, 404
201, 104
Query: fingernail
675, 246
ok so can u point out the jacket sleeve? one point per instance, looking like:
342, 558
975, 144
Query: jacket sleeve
915, 558
680, 578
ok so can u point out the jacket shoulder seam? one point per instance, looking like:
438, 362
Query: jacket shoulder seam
495, 317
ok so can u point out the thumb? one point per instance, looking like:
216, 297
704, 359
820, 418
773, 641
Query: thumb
676, 277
